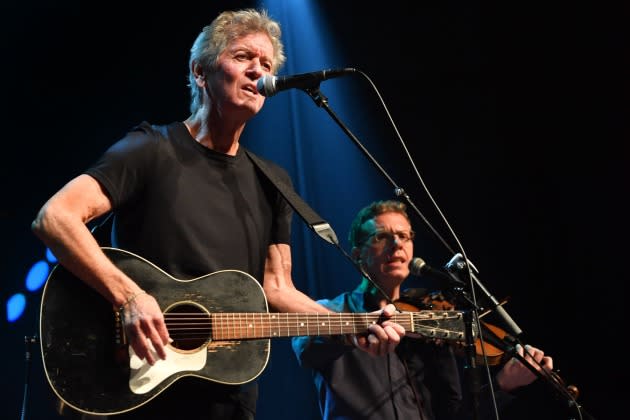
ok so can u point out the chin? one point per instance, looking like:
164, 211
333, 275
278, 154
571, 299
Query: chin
400, 273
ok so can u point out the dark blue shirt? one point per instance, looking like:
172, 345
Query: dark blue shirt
419, 381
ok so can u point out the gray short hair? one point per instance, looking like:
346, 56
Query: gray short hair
215, 37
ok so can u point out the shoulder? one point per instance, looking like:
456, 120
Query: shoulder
145, 129
145, 140
159, 131
139, 136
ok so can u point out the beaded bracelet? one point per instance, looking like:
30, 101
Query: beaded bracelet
129, 300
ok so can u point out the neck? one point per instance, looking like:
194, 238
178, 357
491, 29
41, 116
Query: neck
214, 132
375, 294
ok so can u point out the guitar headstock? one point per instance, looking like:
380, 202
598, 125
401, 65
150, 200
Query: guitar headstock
440, 325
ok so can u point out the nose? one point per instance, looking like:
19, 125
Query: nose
255, 70
397, 241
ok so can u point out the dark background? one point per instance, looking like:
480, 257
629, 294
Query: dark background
515, 115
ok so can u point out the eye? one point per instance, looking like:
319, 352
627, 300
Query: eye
382, 236
404, 236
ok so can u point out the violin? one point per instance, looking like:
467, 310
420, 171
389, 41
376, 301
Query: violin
417, 299
413, 300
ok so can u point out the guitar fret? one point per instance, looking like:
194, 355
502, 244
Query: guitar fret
302, 323
267, 325
262, 326
234, 326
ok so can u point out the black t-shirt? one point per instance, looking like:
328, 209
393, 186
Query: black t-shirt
192, 211
188, 209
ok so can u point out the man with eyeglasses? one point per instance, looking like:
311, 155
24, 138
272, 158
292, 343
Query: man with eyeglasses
420, 380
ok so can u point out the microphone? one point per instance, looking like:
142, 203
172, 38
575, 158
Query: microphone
270, 85
418, 267
458, 263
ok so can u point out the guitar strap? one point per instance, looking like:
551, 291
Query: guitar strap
312, 219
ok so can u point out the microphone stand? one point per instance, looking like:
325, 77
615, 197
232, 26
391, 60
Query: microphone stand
471, 318
322, 102
28, 341
456, 264
471, 372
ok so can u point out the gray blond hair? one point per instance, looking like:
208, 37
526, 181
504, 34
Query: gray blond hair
226, 27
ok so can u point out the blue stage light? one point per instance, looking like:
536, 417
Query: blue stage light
15, 307
50, 256
37, 275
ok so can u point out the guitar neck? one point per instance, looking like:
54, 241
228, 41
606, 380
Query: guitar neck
235, 326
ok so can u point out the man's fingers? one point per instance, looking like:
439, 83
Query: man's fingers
397, 328
378, 346
381, 338
156, 343
142, 350
389, 310
160, 337
394, 337
360, 341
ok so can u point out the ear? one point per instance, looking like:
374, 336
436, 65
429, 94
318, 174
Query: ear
200, 76
356, 254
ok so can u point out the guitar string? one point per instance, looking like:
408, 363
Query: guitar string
257, 323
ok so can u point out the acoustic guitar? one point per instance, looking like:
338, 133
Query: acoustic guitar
219, 322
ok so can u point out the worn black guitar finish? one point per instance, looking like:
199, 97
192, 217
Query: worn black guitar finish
219, 322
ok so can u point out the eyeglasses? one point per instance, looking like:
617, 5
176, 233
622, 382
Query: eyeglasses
385, 236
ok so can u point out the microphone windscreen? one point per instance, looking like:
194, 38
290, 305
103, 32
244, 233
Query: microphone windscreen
417, 266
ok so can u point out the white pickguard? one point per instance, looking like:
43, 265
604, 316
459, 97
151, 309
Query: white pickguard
144, 377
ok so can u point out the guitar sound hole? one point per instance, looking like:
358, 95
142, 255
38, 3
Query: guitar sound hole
189, 326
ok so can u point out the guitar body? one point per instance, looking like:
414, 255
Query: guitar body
219, 323
86, 362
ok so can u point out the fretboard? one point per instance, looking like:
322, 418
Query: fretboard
234, 326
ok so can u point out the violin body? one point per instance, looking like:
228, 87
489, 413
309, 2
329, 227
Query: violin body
415, 299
